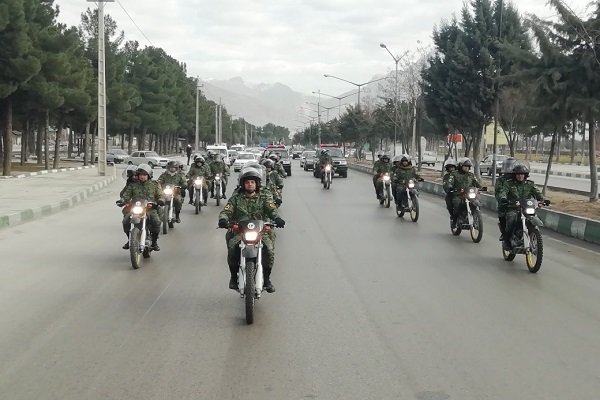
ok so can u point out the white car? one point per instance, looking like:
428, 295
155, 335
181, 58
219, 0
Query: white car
243, 157
148, 157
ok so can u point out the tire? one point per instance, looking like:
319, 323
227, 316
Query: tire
289, 172
414, 212
534, 258
456, 231
218, 193
197, 205
399, 211
477, 227
165, 220
134, 247
305, 169
344, 174
386, 202
249, 291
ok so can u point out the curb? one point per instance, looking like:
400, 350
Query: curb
47, 171
560, 173
566, 224
7, 221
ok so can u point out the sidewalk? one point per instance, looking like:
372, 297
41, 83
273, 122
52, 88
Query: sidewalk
32, 197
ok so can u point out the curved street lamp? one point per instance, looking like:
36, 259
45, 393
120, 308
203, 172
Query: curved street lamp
396, 60
339, 100
359, 85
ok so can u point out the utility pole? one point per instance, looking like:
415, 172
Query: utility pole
497, 111
198, 86
101, 89
216, 124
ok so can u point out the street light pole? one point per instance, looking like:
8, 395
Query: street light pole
396, 60
339, 100
101, 89
197, 137
497, 111
359, 85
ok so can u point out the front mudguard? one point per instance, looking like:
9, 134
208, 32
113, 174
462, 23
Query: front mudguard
534, 221
250, 252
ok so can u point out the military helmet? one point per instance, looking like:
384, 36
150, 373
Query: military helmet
396, 159
144, 169
250, 173
129, 172
379, 154
199, 159
385, 157
465, 162
508, 164
405, 157
450, 163
521, 167
172, 166
268, 163
274, 157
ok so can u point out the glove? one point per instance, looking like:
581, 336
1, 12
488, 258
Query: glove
280, 223
223, 223
160, 202
278, 202
120, 202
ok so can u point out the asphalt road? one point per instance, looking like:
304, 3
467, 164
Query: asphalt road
368, 306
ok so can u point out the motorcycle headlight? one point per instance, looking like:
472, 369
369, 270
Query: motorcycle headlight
250, 236
168, 190
530, 211
328, 168
386, 178
198, 182
137, 209
472, 195
411, 184
217, 178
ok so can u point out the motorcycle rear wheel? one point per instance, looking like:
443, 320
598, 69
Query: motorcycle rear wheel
535, 255
249, 289
476, 229
414, 211
165, 219
134, 247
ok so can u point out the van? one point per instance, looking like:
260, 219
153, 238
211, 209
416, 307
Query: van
222, 150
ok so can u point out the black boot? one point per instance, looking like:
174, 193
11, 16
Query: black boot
177, 217
126, 245
267, 285
154, 245
233, 281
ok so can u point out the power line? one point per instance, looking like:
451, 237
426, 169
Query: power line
136, 25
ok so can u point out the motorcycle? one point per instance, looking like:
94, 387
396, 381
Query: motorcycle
168, 209
412, 198
327, 176
217, 182
527, 238
250, 275
199, 193
139, 234
387, 190
470, 215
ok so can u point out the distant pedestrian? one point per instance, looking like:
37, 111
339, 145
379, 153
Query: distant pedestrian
188, 151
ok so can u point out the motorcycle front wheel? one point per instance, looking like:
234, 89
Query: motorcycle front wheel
134, 247
414, 211
477, 227
197, 201
249, 289
165, 219
534, 255
218, 194
399, 211
388, 195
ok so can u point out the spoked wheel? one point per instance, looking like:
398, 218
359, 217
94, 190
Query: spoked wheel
134, 247
533, 257
249, 289
328, 184
414, 211
388, 195
477, 227
165, 220
218, 194
197, 202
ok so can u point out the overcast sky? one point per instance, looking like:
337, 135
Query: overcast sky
293, 42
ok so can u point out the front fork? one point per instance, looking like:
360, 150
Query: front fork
143, 234
469, 213
258, 275
171, 209
526, 239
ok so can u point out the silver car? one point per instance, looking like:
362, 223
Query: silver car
149, 157
486, 166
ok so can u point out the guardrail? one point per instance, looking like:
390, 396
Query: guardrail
566, 224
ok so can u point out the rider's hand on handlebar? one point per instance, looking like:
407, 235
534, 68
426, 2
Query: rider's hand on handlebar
120, 202
223, 223
280, 223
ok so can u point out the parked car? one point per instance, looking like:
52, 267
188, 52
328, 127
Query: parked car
110, 158
486, 165
307, 160
119, 155
428, 158
149, 157
242, 159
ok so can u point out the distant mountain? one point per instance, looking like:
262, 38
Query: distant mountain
276, 103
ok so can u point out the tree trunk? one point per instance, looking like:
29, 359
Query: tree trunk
130, 139
552, 146
558, 143
31, 147
7, 142
59, 129
537, 146
122, 140
592, 157
86, 143
25, 142
47, 142
70, 144
142, 139
573, 131
477, 150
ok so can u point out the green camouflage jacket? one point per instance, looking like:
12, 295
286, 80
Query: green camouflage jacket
445, 181
500, 183
195, 171
129, 182
175, 180
402, 174
512, 191
149, 190
274, 179
462, 180
219, 167
278, 167
242, 207
325, 159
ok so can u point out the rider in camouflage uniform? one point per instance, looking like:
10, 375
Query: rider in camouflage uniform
146, 189
400, 175
174, 177
277, 165
507, 166
450, 167
379, 168
131, 173
324, 159
274, 181
198, 169
513, 190
218, 166
250, 202
458, 182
